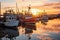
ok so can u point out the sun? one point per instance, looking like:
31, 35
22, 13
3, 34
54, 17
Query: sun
34, 11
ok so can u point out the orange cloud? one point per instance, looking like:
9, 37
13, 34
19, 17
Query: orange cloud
52, 4
51, 8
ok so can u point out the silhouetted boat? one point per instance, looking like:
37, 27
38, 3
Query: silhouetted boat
43, 18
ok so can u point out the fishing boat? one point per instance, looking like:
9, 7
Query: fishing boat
28, 18
10, 19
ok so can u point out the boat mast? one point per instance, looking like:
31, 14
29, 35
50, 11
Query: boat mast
29, 7
44, 12
16, 7
0, 8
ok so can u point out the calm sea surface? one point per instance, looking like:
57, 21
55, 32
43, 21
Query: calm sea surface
51, 31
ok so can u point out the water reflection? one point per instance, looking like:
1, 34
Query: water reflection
52, 26
51, 31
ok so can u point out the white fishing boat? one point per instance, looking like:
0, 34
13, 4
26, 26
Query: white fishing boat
11, 19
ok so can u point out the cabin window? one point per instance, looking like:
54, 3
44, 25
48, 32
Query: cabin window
9, 18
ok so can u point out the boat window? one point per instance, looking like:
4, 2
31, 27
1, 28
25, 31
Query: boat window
13, 18
9, 18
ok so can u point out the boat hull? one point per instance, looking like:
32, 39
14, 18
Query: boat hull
11, 23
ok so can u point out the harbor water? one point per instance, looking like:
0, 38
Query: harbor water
51, 31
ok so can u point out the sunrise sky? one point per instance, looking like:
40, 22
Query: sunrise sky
51, 6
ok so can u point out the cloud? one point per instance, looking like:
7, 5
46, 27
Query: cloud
51, 4
52, 1
57, 7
